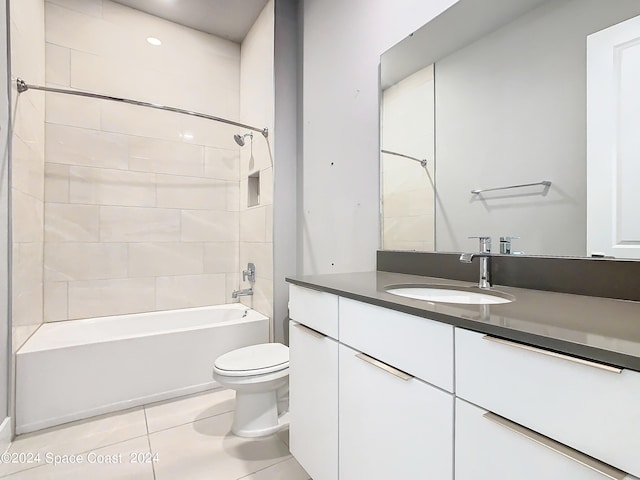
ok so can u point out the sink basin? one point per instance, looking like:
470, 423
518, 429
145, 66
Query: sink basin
450, 294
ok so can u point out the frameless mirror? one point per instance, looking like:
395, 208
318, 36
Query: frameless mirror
493, 94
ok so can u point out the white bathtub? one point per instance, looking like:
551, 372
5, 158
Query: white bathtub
76, 369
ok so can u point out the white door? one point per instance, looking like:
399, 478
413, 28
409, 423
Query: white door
613, 140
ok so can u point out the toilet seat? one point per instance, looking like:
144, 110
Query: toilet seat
253, 360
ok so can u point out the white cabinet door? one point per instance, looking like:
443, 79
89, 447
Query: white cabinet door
313, 401
490, 448
391, 428
613, 142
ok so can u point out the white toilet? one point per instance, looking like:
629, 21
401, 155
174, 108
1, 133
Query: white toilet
260, 376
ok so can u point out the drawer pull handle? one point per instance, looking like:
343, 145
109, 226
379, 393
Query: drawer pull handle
384, 366
529, 348
579, 457
310, 331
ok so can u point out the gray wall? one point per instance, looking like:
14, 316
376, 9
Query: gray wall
285, 150
511, 109
339, 188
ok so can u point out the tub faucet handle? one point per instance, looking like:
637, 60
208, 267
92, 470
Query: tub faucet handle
249, 273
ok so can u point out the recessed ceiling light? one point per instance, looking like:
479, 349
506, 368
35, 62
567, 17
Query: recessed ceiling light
154, 41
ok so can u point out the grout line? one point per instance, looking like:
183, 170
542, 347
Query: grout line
265, 468
146, 423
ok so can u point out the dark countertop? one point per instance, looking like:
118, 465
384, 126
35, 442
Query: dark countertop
601, 329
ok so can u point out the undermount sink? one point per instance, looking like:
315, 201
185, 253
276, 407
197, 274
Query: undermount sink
450, 294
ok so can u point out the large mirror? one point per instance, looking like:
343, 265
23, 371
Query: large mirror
493, 94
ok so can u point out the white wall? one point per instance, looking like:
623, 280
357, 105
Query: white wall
339, 192
511, 109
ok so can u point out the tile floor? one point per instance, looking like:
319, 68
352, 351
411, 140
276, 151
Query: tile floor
189, 437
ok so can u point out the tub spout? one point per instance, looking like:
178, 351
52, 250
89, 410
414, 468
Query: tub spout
242, 293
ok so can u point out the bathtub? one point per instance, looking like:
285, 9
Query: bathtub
76, 369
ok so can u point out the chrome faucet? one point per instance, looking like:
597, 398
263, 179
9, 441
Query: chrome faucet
249, 273
485, 253
242, 293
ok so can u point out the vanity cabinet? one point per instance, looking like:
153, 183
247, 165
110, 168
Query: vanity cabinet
585, 405
489, 447
313, 399
392, 425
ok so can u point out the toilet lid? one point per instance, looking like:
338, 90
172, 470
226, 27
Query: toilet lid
254, 360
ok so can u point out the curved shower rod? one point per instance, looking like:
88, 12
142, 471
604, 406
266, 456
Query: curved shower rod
23, 87
422, 161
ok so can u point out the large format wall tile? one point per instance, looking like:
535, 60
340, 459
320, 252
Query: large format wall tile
134, 224
98, 298
193, 290
139, 202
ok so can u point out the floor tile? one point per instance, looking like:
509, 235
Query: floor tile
288, 470
163, 415
96, 466
78, 437
207, 450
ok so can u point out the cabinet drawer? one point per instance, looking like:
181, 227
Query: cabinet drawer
390, 426
489, 447
318, 310
416, 345
591, 409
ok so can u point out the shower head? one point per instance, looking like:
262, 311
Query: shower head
240, 138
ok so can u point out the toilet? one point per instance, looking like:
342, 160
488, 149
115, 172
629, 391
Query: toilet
260, 376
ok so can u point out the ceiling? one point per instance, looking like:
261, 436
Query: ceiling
230, 19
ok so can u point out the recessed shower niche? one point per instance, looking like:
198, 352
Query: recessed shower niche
253, 189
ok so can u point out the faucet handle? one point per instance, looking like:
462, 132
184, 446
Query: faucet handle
485, 243
505, 245
249, 273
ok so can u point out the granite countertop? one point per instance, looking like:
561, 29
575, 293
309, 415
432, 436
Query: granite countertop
600, 329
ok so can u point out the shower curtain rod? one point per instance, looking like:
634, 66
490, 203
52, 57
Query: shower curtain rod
23, 87
422, 161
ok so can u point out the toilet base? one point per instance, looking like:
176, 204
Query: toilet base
256, 414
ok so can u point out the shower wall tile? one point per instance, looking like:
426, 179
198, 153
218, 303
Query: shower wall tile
192, 290
98, 298
56, 182
191, 193
269, 223
28, 168
221, 257
72, 111
56, 306
88, 7
28, 218
137, 121
80, 146
27, 164
266, 186
101, 186
58, 62
71, 223
84, 261
233, 196
134, 224
142, 206
209, 226
222, 164
161, 156
165, 258
253, 224
261, 254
